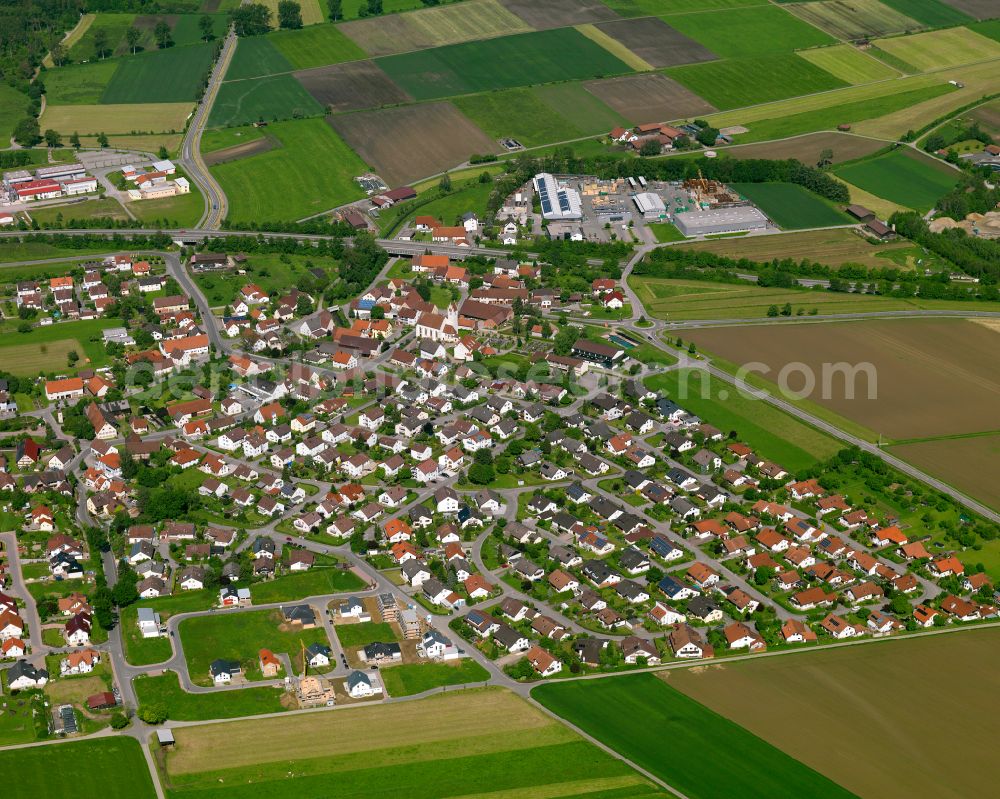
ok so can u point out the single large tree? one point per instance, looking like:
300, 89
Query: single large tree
100, 42
253, 19
335, 9
289, 14
162, 34
207, 26
132, 36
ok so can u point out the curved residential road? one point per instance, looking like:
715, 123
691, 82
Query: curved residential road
217, 206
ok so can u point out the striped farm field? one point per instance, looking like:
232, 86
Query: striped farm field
849, 64
94, 119
434, 27
581, 108
854, 19
932, 13
162, 76
255, 57
903, 176
942, 48
614, 47
518, 113
270, 98
315, 46
748, 32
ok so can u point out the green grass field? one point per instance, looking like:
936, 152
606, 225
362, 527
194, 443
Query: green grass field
318, 580
220, 139
272, 98
112, 768
97, 208
582, 109
188, 31
792, 207
13, 106
772, 433
365, 633
162, 76
312, 171
141, 651
181, 705
315, 46
14, 250
255, 57
748, 32
519, 113
830, 117
671, 735
414, 678
932, 13
267, 270
239, 636
79, 83
665, 231
528, 58
735, 83
990, 28
114, 27
942, 48
848, 63
902, 177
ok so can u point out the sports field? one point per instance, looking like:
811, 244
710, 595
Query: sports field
580, 108
408, 143
354, 86
968, 464
458, 744
110, 768
739, 82
648, 97
315, 46
849, 64
792, 207
519, 113
271, 98
528, 58
833, 693
749, 32
82, 83
648, 713
834, 247
902, 176
312, 171
433, 27
162, 76
239, 637
942, 48
915, 367
854, 19
94, 119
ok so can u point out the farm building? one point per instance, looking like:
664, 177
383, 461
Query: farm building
721, 220
558, 202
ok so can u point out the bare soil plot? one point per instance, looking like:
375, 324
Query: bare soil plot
980, 9
405, 144
988, 116
969, 464
832, 694
808, 148
559, 13
648, 98
353, 86
931, 377
433, 27
244, 150
654, 41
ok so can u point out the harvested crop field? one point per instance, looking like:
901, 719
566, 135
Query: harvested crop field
433, 27
655, 42
450, 745
739, 82
409, 143
849, 64
243, 150
648, 98
903, 176
921, 366
854, 19
942, 48
969, 464
831, 247
527, 59
558, 13
807, 148
160, 117
354, 86
834, 693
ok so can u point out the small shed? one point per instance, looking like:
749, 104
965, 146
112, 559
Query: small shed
165, 737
